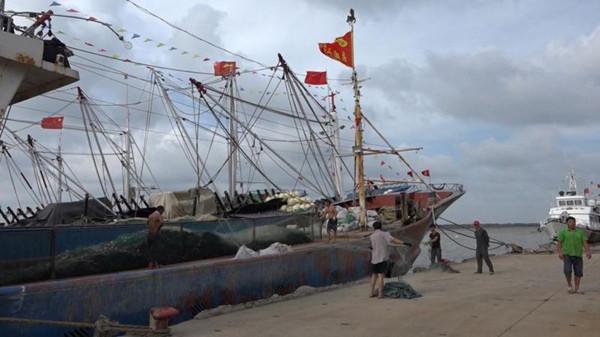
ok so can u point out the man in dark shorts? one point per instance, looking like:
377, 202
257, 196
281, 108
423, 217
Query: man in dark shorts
571, 243
380, 241
436, 246
331, 217
155, 223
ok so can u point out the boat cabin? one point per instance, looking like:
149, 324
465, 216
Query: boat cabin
571, 201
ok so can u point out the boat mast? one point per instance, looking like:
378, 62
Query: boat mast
59, 159
572, 182
128, 190
358, 150
335, 158
232, 141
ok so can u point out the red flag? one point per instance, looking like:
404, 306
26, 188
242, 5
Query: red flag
316, 77
425, 173
586, 191
409, 173
340, 50
54, 122
224, 68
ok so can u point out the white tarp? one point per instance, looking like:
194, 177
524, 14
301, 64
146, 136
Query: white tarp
181, 203
245, 253
275, 248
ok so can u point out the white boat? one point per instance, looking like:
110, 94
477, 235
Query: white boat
583, 207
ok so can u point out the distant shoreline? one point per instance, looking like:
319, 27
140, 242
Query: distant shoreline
493, 225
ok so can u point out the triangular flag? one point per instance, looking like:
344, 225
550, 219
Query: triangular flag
115, 56
91, 18
147, 40
206, 59
88, 44
135, 36
60, 32
160, 44
72, 10
339, 50
172, 48
184, 52
54, 3
102, 50
196, 56
121, 30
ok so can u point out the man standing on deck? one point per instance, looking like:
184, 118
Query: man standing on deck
571, 243
331, 217
380, 254
436, 246
155, 222
481, 252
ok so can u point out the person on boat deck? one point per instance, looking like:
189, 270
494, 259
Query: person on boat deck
371, 187
331, 218
380, 254
481, 252
571, 243
155, 222
436, 246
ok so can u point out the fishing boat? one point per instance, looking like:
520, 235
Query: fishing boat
66, 307
583, 207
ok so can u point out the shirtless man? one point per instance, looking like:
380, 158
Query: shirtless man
331, 216
155, 222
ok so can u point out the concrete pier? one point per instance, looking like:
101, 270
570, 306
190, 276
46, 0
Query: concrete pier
526, 297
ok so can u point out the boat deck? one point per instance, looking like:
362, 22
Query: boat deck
526, 297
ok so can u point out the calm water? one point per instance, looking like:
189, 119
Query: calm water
525, 236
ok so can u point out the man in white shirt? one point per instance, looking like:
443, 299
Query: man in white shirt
380, 242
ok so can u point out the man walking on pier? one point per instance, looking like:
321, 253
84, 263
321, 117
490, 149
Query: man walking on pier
155, 223
436, 247
380, 254
481, 252
571, 243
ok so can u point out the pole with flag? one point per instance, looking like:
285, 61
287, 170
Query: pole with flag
342, 50
358, 150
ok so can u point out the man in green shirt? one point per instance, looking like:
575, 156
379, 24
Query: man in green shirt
571, 243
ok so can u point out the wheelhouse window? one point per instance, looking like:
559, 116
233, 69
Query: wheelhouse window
569, 202
561, 203
578, 203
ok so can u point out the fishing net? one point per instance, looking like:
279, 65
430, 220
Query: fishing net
131, 251
400, 289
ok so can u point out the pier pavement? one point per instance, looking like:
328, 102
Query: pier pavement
526, 297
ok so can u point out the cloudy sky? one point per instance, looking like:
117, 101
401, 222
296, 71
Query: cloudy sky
503, 96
